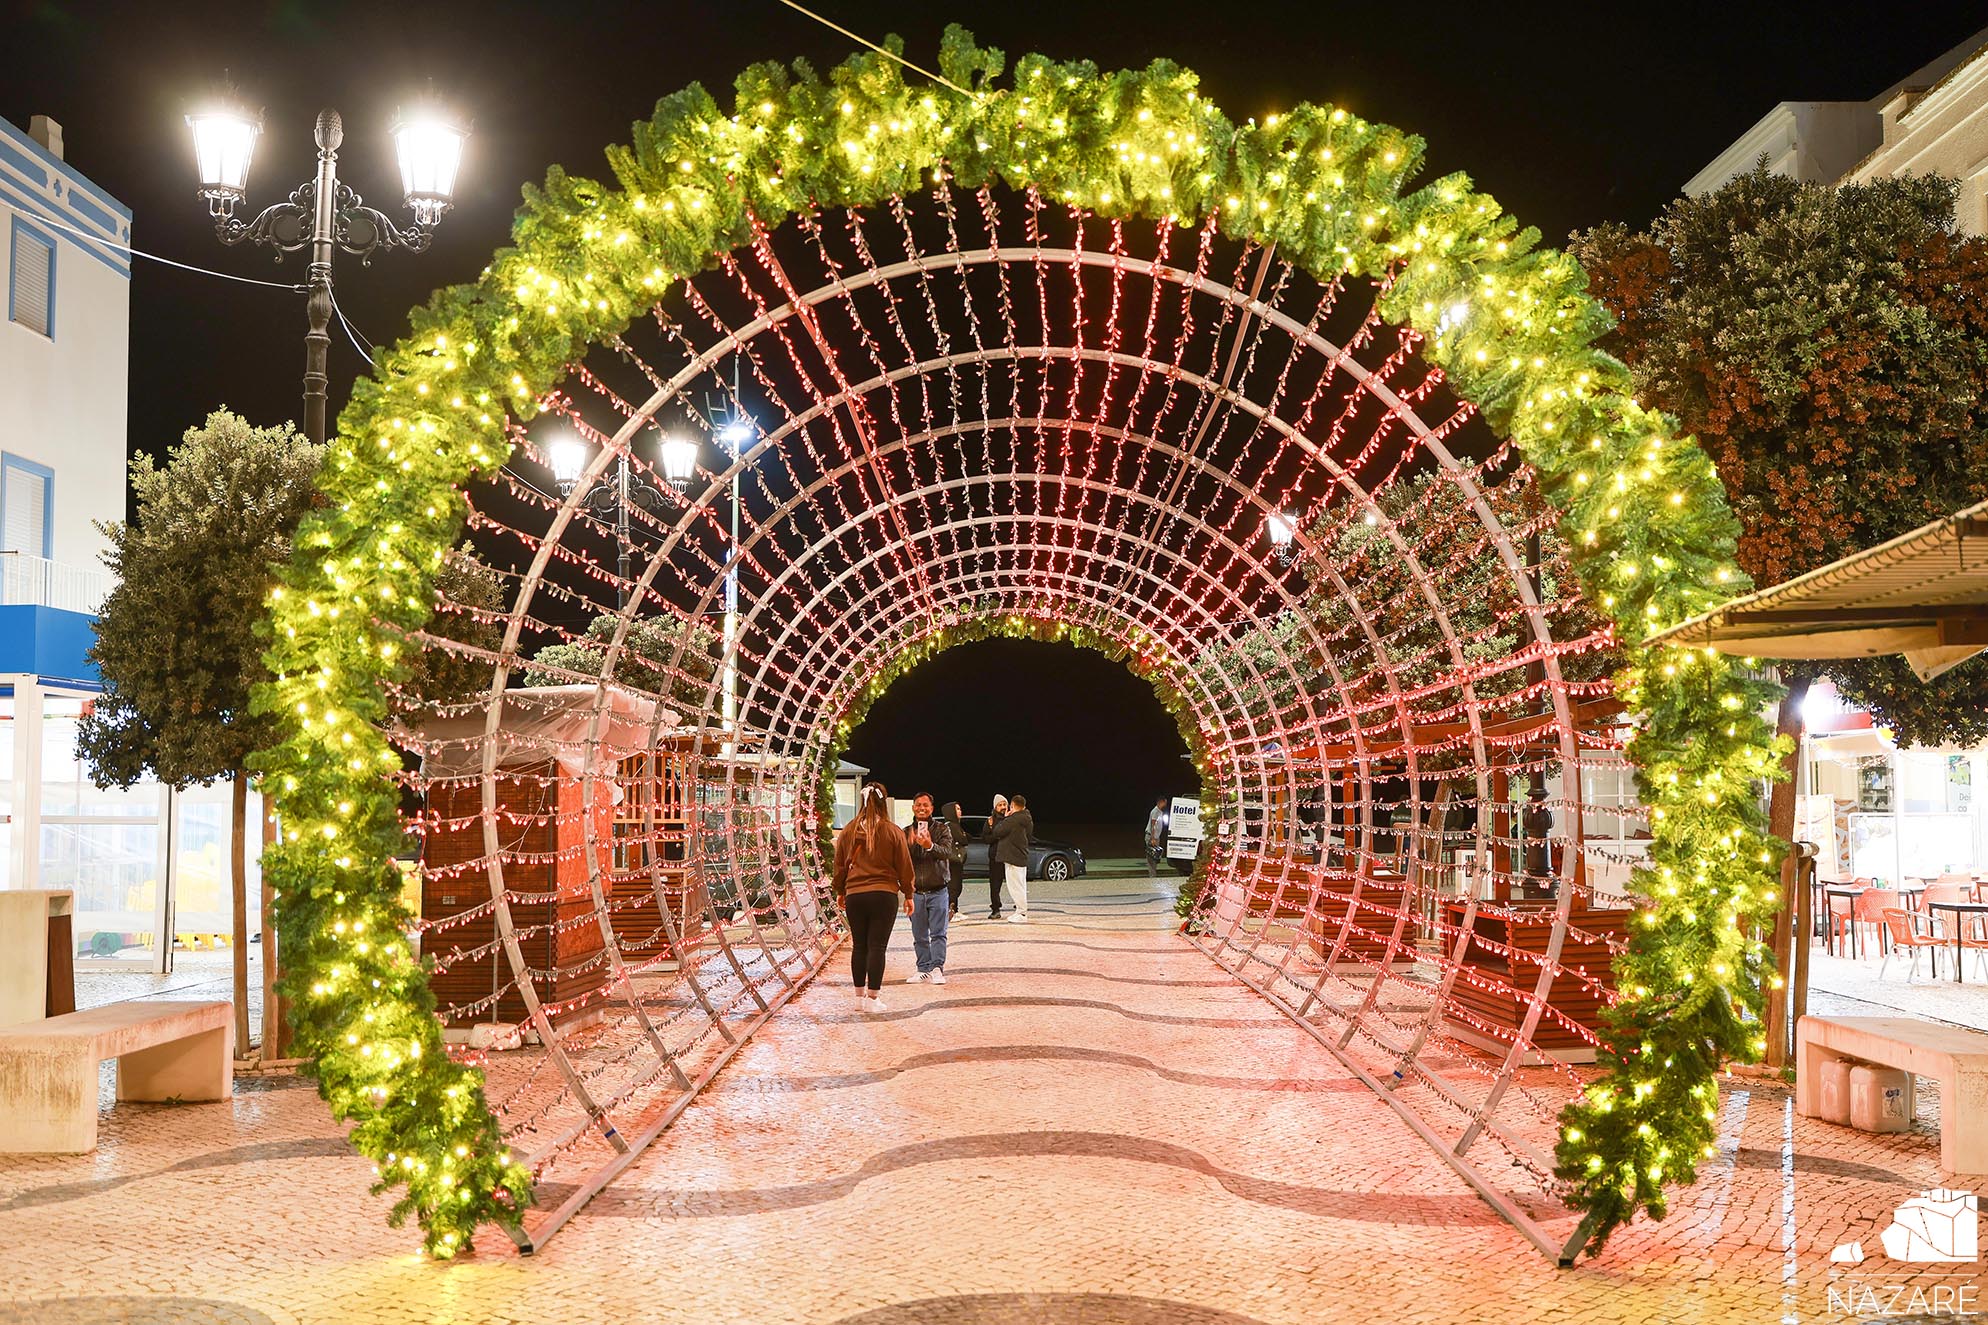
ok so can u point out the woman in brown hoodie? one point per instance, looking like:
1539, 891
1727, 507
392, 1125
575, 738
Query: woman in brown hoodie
873, 877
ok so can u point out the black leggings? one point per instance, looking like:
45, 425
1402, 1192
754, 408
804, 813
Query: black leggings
872, 916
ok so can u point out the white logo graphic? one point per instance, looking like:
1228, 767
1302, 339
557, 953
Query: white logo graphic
1938, 1226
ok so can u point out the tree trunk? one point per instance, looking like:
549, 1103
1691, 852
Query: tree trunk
238, 861
275, 1009
1781, 823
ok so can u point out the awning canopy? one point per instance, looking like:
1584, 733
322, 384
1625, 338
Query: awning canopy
1923, 595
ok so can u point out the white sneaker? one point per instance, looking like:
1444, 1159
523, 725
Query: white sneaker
874, 1004
1018, 918
915, 978
939, 976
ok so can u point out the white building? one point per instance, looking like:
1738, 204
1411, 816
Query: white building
1875, 810
64, 355
1932, 122
145, 864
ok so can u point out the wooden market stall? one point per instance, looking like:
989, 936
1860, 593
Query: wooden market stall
547, 811
1493, 985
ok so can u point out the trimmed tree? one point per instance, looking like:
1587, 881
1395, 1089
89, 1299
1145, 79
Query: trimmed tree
177, 639
1829, 348
450, 660
645, 661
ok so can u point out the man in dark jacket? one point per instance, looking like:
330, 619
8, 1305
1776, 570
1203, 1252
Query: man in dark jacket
994, 870
931, 840
1008, 839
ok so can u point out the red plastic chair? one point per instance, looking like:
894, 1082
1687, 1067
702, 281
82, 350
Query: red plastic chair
1905, 936
1868, 908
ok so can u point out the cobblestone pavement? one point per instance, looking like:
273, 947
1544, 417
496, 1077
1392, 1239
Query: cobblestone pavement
1089, 1123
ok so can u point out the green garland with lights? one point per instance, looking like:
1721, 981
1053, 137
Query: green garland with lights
1509, 323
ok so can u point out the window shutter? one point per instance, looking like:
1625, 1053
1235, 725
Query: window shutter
34, 262
27, 513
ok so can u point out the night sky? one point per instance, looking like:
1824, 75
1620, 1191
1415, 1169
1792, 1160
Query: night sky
1570, 114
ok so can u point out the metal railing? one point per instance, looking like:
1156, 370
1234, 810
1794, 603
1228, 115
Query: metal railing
26, 579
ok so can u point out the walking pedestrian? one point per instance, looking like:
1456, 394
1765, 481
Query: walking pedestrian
953, 890
1156, 837
931, 840
873, 877
1009, 845
994, 871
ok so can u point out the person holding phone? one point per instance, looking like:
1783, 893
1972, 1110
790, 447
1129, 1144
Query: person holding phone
931, 842
994, 871
1009, 838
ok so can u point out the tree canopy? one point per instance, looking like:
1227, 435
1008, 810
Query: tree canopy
645, 660
177, 644
469, 608
1829, 347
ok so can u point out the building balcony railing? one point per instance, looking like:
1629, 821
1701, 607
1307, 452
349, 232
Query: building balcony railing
37, 581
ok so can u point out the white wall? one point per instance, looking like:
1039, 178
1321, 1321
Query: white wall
1812, 141
1933, 122
63, 397
1943, 131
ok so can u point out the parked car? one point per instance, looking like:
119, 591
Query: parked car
1048, 859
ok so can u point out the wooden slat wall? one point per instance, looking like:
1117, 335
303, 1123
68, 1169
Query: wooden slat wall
545, 823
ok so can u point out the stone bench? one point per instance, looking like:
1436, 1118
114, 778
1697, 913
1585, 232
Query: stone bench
1955, 1057
165, 1050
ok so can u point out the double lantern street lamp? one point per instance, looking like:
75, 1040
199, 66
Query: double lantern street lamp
567, 456
323, 214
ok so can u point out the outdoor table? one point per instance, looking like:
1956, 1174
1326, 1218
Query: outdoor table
1829, 930
1961, 910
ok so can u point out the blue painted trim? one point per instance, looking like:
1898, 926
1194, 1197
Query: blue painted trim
63, 168
56, 683
25, 233
23, 164
49, 642
40, 212
47, 476
75, 208
92, 213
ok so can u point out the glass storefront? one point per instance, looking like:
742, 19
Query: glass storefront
148, 866
1888, 814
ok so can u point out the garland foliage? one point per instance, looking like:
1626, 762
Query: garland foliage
1509, 323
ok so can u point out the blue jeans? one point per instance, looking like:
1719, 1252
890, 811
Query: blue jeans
929, 913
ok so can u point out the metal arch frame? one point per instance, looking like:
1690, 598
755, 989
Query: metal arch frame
861, 657
1175, 373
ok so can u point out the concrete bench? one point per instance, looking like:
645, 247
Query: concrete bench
165, 1049
1951, 1055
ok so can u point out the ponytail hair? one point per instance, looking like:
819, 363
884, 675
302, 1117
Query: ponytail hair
872, 809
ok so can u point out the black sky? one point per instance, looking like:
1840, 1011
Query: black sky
1570, 114
1078, 734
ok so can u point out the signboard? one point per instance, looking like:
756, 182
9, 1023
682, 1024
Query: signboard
1183, 828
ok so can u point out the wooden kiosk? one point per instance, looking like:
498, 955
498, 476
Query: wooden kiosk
546, 811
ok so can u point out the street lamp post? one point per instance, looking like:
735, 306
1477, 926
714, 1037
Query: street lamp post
568, 458
324, 215
734, 435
